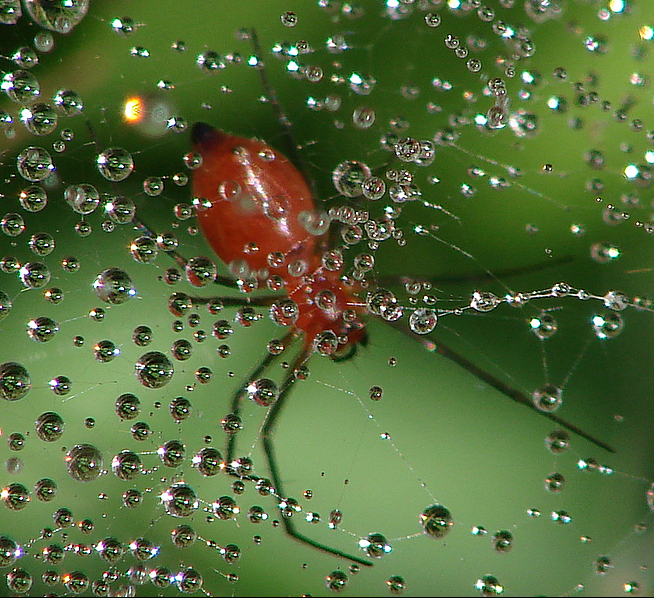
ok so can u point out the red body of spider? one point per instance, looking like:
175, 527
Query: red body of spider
255, 207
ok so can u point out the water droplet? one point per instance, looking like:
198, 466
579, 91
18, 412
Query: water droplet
84, 462
154, 369
396, 584
363, 117
34, 164
375, 545
33, 198
189, 581
12, 224
110, 550
172, 453
289, 19
423, 320
225, 508
554, 482
349, 176
489, 585
603, 565
183, 536
201, 271
45, 489
503, 541
180, 500
325, 343
484, 301
132, 498
558, 441
607, 325
263, 392
126, 465
42, 329
21, 86
548, 398
210, 62
10, 551
544, 325
114, 286
39, 119
19, 581
616, 300
336, 581
284, 312
15, 381
115, 164
15, 496
208, 461
436, 521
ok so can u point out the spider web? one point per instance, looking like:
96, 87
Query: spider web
560, 193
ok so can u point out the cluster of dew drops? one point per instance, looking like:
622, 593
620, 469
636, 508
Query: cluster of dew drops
113, 286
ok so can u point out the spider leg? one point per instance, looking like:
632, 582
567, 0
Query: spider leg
389, 281
284, 122
237, 398
267, 437
508, 391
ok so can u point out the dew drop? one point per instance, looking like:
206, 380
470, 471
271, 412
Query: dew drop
126, 465
42, 329
114, 286
489, 585
189, 581
349, 176
21, 86
110, 550
39, 119
558, 441
436, 521
57, 17
544, 325
263, 392
423, 320
336, 581
15, 381
503, 541
607, 325
154, 369
172, 453
10, 551
33, 198
19, 581
375, 545
83, 198
180, 500
45, 489
115, 164
201, 271
554, 482
84, 462
34, 164
548, 398
208, 461
183, 536
15, 496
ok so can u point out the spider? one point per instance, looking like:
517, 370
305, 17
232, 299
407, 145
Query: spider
256, 210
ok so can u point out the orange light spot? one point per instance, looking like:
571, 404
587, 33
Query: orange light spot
133, 110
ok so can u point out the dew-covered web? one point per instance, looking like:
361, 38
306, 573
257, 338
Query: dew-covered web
486, 172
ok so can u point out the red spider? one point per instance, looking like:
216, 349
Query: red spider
257, 212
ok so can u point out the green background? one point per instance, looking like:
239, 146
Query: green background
455, 441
